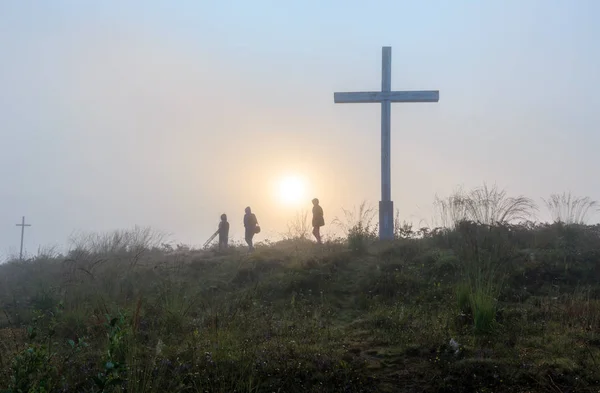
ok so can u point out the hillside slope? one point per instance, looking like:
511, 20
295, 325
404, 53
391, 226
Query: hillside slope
478, 308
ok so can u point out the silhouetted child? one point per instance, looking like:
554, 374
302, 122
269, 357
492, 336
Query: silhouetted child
318, 220
223, 232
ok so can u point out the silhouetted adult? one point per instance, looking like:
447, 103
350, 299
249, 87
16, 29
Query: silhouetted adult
251, 226
317, 220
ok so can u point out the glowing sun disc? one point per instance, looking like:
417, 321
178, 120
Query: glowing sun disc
292, 190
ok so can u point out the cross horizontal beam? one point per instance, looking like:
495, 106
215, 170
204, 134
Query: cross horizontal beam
391, 96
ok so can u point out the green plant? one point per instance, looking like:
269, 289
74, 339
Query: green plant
114, 365
33, 370
483, 308
484, 250
40, 366
463, 297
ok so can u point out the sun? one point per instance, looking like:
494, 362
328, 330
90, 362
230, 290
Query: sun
292, 190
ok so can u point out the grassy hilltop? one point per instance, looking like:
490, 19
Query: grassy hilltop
478, 306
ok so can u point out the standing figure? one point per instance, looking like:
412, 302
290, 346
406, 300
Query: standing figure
251, 226
223, 232
317, 220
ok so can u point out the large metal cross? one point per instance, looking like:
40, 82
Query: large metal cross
385, 97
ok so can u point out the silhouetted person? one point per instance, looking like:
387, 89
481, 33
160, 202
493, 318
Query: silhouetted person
317, 220
223, 232
251, 226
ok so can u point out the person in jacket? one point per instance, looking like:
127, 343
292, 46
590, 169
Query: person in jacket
223, 232
251, 227
317, 220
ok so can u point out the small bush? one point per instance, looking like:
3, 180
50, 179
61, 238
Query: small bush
359, 239
483, 307
358, 227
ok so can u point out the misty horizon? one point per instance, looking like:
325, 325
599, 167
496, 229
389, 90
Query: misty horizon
116, 115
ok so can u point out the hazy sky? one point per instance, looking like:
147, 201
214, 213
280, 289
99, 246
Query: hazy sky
167, 114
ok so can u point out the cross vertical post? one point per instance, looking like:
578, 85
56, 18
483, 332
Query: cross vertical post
22, 225
385, 97
386, 206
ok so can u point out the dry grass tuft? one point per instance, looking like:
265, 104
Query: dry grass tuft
568, 209
484, 205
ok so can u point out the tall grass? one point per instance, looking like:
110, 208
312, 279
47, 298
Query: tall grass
477, 294
358, 226
298, 227
133, 241
452, 209
483, 306
481, 216
567, 209
483, 205
492, 206
486, 281
484, 250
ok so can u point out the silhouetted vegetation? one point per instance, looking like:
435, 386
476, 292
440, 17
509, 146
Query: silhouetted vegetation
482, 303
